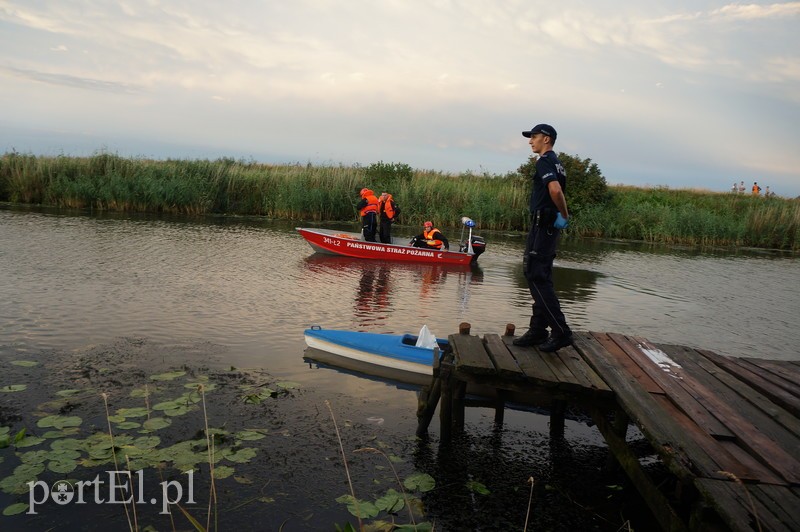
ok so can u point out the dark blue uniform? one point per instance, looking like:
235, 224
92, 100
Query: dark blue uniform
540, 249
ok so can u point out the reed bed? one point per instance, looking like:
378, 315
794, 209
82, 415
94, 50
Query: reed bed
109, 182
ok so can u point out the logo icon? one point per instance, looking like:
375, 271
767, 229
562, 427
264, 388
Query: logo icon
62, 492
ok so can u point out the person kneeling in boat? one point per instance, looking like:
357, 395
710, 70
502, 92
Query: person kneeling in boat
430, 238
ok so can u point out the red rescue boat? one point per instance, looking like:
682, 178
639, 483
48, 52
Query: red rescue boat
353, 245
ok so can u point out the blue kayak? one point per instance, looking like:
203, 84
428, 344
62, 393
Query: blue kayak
397, 352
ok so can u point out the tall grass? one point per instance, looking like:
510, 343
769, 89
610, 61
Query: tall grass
694, 218
330, 193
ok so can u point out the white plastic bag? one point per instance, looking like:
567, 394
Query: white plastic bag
426, 338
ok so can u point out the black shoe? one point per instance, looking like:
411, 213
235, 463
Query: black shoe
555, 343
530, 338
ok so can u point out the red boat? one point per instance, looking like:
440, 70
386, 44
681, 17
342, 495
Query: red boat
353, 245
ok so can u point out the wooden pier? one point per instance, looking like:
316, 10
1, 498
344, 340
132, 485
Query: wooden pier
727, 429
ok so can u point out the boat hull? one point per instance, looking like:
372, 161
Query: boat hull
350, 245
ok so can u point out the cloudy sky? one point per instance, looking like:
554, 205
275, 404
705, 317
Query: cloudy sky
682, 93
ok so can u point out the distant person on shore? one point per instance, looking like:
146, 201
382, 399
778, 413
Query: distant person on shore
430, 238
767, 193
388, 212
549, 215
735, 188
368, 209
756, 189
741, 187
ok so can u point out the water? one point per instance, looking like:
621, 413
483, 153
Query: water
254, 285
240, 291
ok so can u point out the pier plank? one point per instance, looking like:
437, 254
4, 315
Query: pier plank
762, 441
563, 374
780, 374
572, 362
781, 501
688, 398
740, 511
745, 374
755, 406
531, 364
579, 366
501, 357
678, 451
625, 363
470, 354
721, 457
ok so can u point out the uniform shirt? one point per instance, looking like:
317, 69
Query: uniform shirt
548, 168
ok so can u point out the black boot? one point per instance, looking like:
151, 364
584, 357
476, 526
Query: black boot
555, 343
531, 338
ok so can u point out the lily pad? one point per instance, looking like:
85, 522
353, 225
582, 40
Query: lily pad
29, 441
171, 375
29, 471
126, 425
249, 435
62, 466
16, 508
67, 443
147, 442
138, 411
59, 422
13, 388
25, 363
420, 481
240, 456
63, 454
156, 423
15, 485
179, 411
34, 457
223, 471
287, 385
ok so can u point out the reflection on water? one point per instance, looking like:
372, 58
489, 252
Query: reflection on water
380, 288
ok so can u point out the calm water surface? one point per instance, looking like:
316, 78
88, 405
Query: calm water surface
248, 287
253, 286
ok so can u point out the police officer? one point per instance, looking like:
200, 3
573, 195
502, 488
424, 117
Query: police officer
549, 214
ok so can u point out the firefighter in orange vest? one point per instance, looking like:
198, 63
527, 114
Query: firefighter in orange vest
388, 210
430, 238
368, 210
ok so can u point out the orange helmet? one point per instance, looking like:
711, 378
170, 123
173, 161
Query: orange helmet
364, 191
428, 224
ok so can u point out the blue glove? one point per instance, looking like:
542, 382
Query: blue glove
561, 222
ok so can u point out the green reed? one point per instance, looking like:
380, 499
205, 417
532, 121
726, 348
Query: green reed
109, 182
698, 218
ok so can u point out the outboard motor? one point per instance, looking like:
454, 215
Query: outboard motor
472, 244
478, 245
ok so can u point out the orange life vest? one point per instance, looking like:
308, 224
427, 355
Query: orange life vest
387, 207
428, 235
756, 189
372, 203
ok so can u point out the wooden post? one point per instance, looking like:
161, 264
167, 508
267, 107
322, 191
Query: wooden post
557, 410
510, 328
464, 328
619, 426
500, 408
446, 408
425, 412
460, 388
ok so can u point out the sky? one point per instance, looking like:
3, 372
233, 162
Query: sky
681, 94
